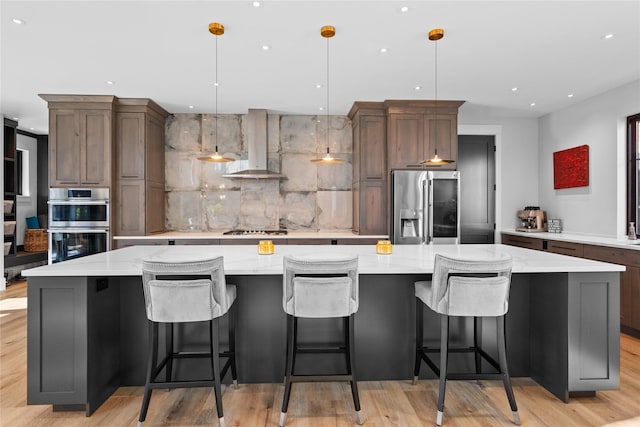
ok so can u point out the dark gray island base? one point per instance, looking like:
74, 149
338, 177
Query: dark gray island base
87, 335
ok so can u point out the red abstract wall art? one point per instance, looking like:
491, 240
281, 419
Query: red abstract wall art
571, 167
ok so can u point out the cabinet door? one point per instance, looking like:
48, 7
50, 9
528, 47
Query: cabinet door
373, 207
154, 207
405, 138
131, 208
355, 197
95, 147
440, 131
372, 145
566, 248
523, 242
154, 162
630, 298
64, 150
130, 145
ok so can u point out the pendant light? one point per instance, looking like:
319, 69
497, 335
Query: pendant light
216, 29
435, 35
327, 32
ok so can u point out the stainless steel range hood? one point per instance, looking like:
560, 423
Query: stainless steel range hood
256, 148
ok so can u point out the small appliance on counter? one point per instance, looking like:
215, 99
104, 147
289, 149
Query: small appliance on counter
533, 219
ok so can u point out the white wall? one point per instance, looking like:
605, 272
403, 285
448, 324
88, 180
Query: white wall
516, 158
27, 205
599, 122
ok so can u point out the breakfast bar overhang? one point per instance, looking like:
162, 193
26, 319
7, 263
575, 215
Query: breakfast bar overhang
87, 328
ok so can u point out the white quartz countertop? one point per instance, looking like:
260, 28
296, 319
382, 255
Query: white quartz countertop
579, 238
244, 259
218, 235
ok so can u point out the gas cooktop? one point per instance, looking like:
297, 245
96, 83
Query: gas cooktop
256, 232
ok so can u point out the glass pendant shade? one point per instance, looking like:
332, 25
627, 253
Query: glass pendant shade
328, 159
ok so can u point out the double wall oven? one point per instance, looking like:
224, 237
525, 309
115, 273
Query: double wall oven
78, 222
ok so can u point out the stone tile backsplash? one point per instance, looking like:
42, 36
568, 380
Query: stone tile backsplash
311, 198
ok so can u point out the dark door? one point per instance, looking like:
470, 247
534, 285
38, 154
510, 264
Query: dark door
476, 163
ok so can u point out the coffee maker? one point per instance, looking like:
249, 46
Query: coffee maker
533, 219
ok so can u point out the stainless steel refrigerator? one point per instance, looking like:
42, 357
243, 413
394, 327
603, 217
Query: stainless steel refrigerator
426, 207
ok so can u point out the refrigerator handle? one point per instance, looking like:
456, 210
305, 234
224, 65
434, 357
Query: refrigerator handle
425, 212
428, 213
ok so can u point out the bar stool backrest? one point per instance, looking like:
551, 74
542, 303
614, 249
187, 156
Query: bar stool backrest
190, 291
320, 288
471, 287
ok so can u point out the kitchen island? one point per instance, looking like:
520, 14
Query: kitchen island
87, 329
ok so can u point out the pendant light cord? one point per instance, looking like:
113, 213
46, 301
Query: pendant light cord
216, 92
328, 95
435, 122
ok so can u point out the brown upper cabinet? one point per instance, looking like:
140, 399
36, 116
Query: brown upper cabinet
369, 122
417, 128
117, 143
80, 140
395, 134
369, 187
139, 167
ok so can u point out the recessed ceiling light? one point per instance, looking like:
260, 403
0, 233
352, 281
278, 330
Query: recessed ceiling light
15, 118
266, 47
404, 9
18, 21
321, 108
257, 4
110, 82
418, 87
514, 89
533, 104
32, 128
318, 86
383, 50
216, 84
191, 107
608, 36
570, 95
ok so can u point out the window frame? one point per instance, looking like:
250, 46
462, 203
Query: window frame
633, 169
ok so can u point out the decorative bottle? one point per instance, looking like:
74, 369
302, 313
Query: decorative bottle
632, 231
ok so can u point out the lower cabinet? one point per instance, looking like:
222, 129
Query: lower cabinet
629, 279
73, 347
522, 242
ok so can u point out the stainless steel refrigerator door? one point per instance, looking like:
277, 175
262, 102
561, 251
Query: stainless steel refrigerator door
407, 213
444, 207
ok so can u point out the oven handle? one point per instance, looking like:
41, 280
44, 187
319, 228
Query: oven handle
77, 230
78, 202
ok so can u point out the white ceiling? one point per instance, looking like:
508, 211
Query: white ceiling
162, 50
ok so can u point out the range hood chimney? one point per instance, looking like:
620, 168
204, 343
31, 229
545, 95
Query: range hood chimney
256, 148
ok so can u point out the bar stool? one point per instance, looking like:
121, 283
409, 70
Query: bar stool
179, 292
478, 288
314, 288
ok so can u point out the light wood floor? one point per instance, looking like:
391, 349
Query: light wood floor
384, 403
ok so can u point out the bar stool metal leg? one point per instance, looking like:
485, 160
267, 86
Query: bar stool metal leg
444, 352
351, 368
215, 366
151, 366
476, 346
288, 368
502, 355
232, 345
419, 332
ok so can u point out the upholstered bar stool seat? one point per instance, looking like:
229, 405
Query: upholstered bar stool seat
187, 291
320, 288
469, 288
